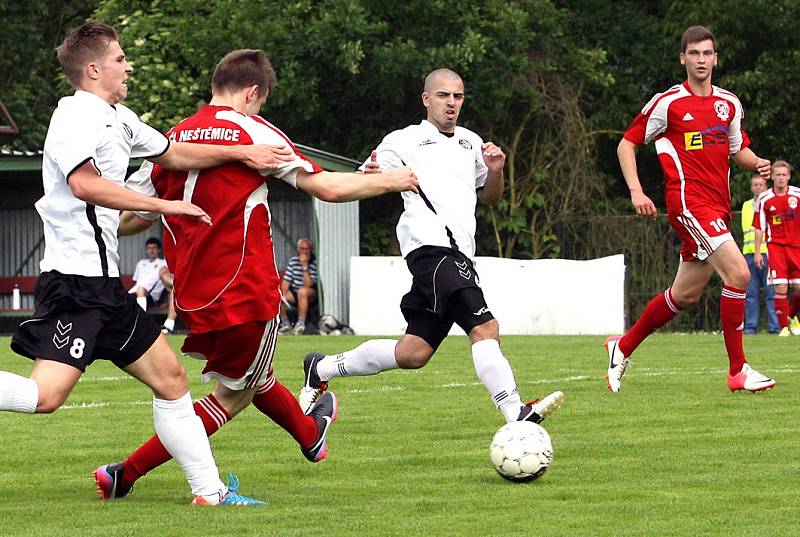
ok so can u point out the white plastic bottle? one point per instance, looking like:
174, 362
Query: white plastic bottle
16, 298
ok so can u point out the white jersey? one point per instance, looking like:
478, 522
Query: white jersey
450, 169
81, 238
148, 276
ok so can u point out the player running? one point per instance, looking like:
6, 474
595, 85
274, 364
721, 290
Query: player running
697, 128
226, 284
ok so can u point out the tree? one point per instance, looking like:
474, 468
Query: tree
30, 32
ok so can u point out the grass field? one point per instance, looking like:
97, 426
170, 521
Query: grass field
674, 453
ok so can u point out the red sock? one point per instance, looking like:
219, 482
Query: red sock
152, 453
278, 403
795, 304
782, 309
661, 310
731, 315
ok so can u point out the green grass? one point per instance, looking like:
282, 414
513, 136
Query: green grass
674, 453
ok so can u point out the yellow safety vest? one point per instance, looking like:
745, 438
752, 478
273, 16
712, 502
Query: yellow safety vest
749, 246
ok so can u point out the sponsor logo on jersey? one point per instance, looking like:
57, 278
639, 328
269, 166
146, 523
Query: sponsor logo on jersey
777, 220
688, 117
465, 143
699, 139
426, 142
722, 109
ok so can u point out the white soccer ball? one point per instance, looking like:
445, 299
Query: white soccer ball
521, 451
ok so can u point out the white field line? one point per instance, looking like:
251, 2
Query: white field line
637, 371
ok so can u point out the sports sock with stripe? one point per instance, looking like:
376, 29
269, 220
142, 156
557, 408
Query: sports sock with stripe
661, 310
369, 358
495, 373
153, 454
280, 405
731, 316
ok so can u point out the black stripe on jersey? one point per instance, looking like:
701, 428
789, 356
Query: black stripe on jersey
84, 161
422, 195
169, 143
98, 237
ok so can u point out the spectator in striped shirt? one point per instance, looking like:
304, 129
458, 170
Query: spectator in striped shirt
298, 288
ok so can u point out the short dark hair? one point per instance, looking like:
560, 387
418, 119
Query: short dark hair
153, 240
88, 42
242, 68
695, 34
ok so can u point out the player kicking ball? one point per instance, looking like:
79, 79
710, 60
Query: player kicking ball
226, 285
436, 232
697, 128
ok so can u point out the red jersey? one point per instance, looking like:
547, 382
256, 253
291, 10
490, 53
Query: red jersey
694, 137
778, 217
225, 274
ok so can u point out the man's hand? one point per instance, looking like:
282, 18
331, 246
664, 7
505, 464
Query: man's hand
372, 166
402, 180
764, 168
494, 157
758, 259
183, 208
643, 205
266, 157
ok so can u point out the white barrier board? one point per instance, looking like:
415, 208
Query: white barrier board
543, 296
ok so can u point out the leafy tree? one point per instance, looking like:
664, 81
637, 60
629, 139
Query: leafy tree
28, 86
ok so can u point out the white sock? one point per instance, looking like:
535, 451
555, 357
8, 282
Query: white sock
369, 358
495, 373
18, 394
142, 301
169, 324
183, 435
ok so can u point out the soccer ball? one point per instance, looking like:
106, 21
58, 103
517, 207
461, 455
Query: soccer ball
521, 451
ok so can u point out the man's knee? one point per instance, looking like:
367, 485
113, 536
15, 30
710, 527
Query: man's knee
49, 401
412, 356
488, 330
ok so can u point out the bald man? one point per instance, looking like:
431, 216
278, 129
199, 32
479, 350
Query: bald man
455, 168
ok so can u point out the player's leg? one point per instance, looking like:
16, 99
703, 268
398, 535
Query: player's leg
59, 338
369, 358
48, 386
701, 232
728, 262
782, 307
177, 425
778, 277
214, 410
467, 307
424, 334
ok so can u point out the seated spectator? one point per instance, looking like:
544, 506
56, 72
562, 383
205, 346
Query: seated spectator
147, 285
166, 278
299, 287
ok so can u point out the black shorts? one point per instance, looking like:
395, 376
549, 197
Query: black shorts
444, 291
81, 319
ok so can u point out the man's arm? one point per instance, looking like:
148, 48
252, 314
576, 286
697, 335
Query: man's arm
131, 223
495, 160
759, 260
338, 187
750, 161
626, 153
189, 156
86, 185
